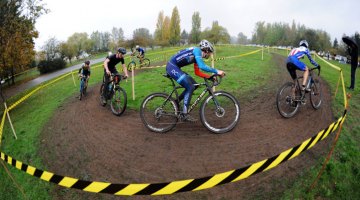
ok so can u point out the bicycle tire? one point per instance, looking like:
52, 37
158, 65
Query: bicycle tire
101, 95
316, 94
159, 113
145, 62
284, 102
131, 65
81, 89
118, 101
222, 118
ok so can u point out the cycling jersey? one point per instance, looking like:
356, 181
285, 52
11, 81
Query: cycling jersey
182, 58
298, 53
141, 51
114, 61
85, 70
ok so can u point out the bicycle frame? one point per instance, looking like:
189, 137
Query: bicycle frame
297, 85
208, 89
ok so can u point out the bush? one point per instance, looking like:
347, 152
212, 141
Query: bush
46, 66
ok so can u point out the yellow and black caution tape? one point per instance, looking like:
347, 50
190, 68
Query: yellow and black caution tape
178, 186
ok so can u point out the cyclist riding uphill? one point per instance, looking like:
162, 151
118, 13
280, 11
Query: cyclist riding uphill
85, 71
293, 63
185, 57
109, 68
141, 51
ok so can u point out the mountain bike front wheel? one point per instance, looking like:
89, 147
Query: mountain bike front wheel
220, 112
131, 66
118, 101
285, 100
316, 94
159, 113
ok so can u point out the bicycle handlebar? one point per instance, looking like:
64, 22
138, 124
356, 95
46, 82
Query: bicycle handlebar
318, 68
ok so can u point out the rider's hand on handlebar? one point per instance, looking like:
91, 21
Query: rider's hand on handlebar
221, 73
319, 67
108, 72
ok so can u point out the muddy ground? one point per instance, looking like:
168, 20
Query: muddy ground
86, 141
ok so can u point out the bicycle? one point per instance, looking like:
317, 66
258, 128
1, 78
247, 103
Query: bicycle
83, 86
132, 64
290, 96
219, 111
115, 93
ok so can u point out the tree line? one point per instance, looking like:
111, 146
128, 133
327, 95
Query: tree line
17, 33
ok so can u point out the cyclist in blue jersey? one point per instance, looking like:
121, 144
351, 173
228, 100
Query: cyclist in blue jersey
293, 63
141, 54
192, 55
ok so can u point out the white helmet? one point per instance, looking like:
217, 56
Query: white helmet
137, 47
206, 46
304, 43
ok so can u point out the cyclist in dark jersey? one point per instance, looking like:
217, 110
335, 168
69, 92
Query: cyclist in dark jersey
192, 55
293, 63
84, 71
110, 68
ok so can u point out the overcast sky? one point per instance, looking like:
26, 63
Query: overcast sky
337, 17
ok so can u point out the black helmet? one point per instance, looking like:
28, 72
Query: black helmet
122, 50
87, 62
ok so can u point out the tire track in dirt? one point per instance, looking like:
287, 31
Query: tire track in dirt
84, 140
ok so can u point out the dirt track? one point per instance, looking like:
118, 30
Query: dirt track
84, 140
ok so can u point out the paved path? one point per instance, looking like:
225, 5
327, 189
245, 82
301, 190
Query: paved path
9, 92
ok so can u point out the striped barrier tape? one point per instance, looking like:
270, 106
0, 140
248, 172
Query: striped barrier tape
167, 188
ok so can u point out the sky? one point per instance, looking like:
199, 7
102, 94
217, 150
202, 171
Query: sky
70, 16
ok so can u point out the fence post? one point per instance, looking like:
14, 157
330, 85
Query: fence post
8, 116
133, 81
73, 78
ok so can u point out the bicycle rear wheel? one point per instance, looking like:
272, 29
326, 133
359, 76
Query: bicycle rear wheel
159, 113
285, 102
220, 112
102, 98
145, 62
316, 94
118, 101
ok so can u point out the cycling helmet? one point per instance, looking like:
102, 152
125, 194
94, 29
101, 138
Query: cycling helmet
87, 62
304, 43
122, 50
137, 47
206, 46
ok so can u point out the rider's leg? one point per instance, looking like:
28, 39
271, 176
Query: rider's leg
306, 75
189, 89
292, 71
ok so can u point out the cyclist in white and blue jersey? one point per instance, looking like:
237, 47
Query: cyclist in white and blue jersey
293, 63
192, 55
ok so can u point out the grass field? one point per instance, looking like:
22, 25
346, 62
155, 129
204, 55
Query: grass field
340, 180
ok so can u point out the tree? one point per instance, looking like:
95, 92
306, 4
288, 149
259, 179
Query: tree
242, 39
175, 27
184, 37
67, 51
17, 34
159, 28
117, 37
195, 32
217, 34
51, 48
80, 42
166, 32
142, 37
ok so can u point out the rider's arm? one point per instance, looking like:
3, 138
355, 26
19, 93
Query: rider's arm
107, 60
200, 62
199, 73
125, 70
310, 58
